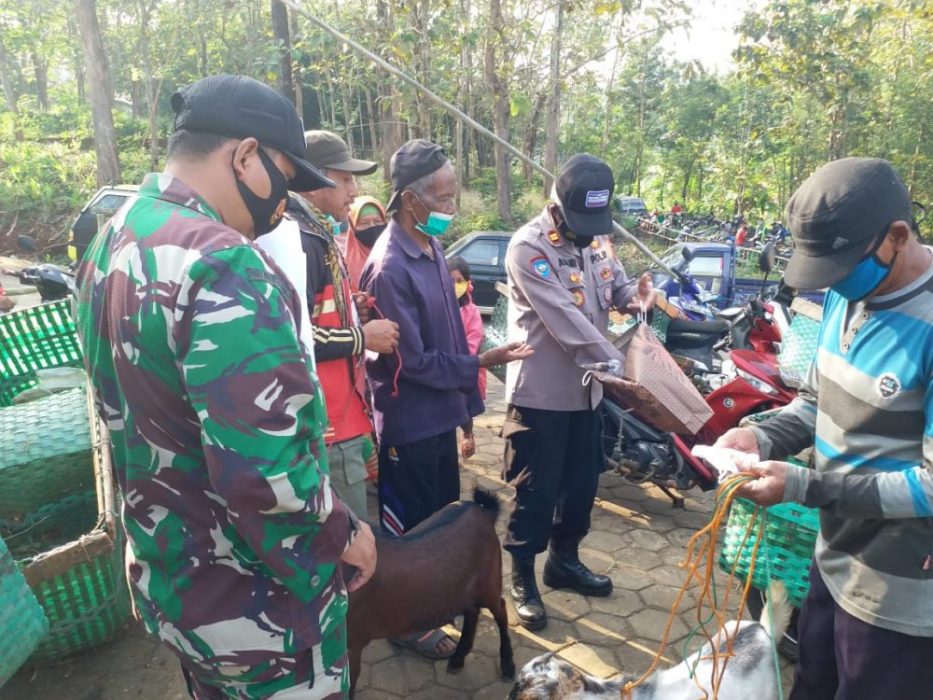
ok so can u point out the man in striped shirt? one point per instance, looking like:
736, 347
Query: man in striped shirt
866, 627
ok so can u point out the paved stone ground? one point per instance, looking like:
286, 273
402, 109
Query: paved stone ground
636, 538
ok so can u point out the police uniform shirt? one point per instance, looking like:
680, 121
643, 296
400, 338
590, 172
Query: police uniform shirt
559, 301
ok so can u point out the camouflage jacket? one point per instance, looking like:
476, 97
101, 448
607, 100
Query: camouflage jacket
216, 420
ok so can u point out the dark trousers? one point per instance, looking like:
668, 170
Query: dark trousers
553, 458
843, 658
417, 480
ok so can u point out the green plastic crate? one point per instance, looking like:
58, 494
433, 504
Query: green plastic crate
22, 623
787, 550
34, 338
798, 349
495, 333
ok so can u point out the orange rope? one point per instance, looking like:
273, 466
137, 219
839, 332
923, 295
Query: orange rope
698, 554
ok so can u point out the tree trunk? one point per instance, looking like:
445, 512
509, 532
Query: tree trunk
347, 116
77, 63
553, 107
100, 90
388, 94
6, 77
500, 109
40, 67
283, 43
296, 76
531, 133
149, 82
608, 109
371, 117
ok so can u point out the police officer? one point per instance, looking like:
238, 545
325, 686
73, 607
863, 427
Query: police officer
563, 279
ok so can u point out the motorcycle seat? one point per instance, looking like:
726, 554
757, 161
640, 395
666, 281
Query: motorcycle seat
682, 326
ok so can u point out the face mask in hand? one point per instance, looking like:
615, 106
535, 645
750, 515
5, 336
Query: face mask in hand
266, 212
866, 277
437, 223
367, 236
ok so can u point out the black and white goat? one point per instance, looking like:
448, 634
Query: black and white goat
750, 672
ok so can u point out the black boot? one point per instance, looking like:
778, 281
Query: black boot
524, 592
564, 569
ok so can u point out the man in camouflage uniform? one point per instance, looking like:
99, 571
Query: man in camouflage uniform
235, 537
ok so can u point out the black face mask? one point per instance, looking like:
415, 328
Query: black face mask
266, 212
368, 236
575, 238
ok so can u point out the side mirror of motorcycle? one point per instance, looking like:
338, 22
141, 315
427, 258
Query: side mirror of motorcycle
766, 258
27, 243
687, 253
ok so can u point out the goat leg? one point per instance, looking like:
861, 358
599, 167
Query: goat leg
467, 635
506, 662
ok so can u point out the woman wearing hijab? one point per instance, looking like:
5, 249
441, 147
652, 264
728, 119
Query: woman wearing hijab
367, 221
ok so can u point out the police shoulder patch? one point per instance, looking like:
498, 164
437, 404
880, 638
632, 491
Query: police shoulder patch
541, 266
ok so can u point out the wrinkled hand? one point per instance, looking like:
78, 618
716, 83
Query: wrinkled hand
361, 555
768, 488
741, 439
467, 445
505, 354
363, 306
380, 335
645, 295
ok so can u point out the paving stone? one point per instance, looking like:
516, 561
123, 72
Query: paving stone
649, 539
558, 634
374, 694
662, 597
597, 561
596, 660
603, 541
477, 671
377, 651
629, 578
565, 604
602, 628
649, 624
668, 575
389, 676
639, 558
621, 603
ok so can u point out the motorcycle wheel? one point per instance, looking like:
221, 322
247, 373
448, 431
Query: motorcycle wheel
757, 600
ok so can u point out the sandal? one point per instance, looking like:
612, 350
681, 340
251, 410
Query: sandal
426, 643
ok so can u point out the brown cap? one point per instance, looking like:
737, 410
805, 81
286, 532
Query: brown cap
325, 149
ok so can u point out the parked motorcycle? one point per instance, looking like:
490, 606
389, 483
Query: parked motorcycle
750, 382
52, 281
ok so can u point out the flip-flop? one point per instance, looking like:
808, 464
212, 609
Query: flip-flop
425, 643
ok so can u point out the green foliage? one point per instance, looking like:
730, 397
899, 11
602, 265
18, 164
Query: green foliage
812, 81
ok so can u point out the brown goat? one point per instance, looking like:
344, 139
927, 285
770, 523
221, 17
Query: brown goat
447, 565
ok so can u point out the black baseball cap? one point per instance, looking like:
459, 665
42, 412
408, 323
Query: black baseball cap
836, 213
413, 161
326, 149
584, 187
239, 107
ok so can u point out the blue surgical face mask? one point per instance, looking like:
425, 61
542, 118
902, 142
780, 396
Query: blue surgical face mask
436, 224
866, 277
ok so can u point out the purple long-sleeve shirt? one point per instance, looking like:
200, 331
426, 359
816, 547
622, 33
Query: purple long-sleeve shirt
437, 388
